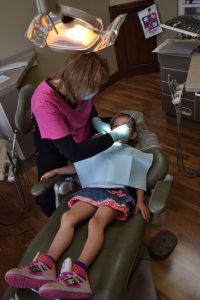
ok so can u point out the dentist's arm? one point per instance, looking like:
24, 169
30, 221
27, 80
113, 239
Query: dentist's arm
75, 152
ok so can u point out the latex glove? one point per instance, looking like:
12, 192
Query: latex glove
121, 133
100, 126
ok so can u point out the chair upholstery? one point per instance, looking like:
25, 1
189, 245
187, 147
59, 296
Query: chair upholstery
114, 270
23, 113
111, 274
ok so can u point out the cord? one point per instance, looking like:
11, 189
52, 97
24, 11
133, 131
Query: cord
20, 192
13, 223
180, 161
187, 172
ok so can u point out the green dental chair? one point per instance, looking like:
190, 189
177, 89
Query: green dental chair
122, 269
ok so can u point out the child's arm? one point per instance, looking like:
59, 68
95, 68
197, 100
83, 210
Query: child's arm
140, 205
68, 170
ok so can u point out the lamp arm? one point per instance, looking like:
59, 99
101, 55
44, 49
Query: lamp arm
46, 6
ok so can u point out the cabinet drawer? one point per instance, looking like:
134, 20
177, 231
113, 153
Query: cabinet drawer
174, 62
170, 74
186, 95
188, 107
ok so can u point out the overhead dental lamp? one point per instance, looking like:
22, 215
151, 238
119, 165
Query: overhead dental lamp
64, 28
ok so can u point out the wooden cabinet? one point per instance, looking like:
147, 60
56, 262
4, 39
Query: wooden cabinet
133, 51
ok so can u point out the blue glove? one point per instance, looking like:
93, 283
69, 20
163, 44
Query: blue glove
100, 126
121, 133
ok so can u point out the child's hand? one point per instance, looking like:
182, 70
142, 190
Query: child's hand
48, 175
140, 206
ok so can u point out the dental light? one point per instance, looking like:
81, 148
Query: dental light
66, 28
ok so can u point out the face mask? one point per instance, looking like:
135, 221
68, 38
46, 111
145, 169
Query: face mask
88, 97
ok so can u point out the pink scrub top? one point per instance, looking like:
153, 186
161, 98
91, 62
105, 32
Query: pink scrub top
56, 119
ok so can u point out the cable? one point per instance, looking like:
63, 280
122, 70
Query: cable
17, 180
187, 172
180, 161
13, 223
20, 192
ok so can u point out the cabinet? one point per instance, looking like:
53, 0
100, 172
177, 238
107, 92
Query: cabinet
189, 7
174, 59
133, 52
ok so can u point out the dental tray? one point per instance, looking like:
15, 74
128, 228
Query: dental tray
187, 23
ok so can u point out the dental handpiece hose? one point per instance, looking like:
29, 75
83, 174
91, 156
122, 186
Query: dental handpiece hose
129, 120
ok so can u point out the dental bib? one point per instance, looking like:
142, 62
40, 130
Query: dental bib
121, 164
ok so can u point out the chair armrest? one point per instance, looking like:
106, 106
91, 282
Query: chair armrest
159, 167
159, 197
42, 186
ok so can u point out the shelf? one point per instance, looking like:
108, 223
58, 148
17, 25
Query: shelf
183, 5
194, 35
190, 5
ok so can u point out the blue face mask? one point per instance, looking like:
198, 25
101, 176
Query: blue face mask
88, 97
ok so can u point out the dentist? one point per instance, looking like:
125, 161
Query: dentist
64, 118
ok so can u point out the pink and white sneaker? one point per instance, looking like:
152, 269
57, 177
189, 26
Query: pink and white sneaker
40, 271
69, 285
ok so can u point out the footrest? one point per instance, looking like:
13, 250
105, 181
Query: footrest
162, 244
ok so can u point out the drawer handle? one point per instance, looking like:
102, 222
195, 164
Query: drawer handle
186, 111
197, 94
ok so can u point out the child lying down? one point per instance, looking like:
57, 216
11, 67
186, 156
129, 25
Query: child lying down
101, 204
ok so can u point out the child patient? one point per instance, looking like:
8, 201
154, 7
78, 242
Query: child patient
101, 206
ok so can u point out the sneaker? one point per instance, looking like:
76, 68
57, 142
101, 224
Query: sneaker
40, 271
69, 285
68, 265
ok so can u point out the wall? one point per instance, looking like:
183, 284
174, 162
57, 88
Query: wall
15, 21
166, 10
116, 2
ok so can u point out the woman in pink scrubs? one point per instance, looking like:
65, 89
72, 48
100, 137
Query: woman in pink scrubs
64, 117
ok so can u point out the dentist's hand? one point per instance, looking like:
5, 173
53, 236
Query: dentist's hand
121, 133
100, 126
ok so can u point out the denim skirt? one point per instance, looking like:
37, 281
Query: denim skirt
116, 198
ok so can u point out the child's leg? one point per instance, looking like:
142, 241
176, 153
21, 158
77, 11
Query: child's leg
75, 284
42, 269
79, 212
97, 224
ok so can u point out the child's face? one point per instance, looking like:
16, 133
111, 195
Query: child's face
121, 120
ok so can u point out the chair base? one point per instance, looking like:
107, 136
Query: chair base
141, 285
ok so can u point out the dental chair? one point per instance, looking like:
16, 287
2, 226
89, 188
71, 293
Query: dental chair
122, 269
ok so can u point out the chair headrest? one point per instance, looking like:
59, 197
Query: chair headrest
146, 138
23, 113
